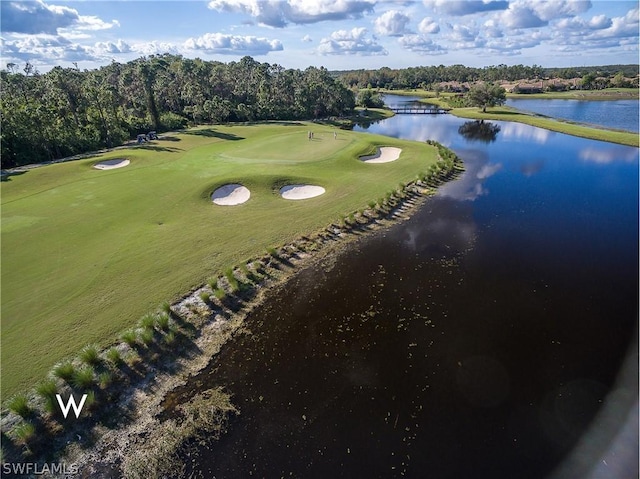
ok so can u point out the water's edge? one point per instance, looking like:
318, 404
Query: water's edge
148, 442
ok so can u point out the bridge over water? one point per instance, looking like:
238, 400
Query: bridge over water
413, 110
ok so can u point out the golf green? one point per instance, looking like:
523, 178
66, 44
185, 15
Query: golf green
87, 252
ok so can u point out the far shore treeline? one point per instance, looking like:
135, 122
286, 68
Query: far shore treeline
67, 111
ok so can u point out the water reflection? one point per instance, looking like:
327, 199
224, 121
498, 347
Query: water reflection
471, 184
532, 168
521, 131
608, 154
479, 131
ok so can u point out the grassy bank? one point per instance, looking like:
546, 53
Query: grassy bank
505, 113
511, 114
86, 253
606, 94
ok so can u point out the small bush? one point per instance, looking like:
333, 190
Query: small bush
213, 283
233, 282
114, 356
162, 322
272, 252
91, 400
132, 358
166, 308
372, 204
147, 321
219, 293
83, 378
64, 370
205, 297
170, 338
105, 379
25, 433
19, 404
47, 390
146, 336
130, 337
90, 355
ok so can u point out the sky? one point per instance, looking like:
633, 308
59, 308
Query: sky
336, 34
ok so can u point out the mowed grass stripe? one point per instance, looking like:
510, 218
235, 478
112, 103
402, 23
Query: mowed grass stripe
85, 253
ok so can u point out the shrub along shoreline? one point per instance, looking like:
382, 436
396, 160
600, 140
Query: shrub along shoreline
165, 344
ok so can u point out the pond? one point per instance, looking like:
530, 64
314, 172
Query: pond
619, 114
479, 338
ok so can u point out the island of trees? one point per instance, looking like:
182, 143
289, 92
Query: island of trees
67, 111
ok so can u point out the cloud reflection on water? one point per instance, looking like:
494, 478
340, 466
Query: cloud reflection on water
525, 132
609, 154
470, 185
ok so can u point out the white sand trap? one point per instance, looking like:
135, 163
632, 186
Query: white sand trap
385, 154
301, 192
231, 195
111, 164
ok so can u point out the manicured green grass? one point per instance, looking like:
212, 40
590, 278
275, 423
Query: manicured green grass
606, 94
86, 253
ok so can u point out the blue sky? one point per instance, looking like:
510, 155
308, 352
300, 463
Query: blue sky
337, 34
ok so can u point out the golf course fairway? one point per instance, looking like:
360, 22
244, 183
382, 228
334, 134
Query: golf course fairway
87, 252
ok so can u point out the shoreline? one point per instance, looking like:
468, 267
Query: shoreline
126, 449
134, 413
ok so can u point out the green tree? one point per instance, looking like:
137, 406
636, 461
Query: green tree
369, 99
485, 95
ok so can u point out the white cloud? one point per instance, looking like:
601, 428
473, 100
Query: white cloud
233, 44
600, 32
350, 42
94, 23
109, 48
537, 13
46, 49
521, 16
155, 48
421, 44
307, 39
428, 26
36, 17
579, 24
551, 10
392, 23
463, 33
465, 7
279, 13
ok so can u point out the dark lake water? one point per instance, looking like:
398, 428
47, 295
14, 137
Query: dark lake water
620, 114
479, 339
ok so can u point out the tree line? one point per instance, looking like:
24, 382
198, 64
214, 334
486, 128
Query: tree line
428, 76
67, 111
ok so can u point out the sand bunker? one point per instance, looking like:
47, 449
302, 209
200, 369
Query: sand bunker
301, 192
385, 154
111, 164
230, 195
